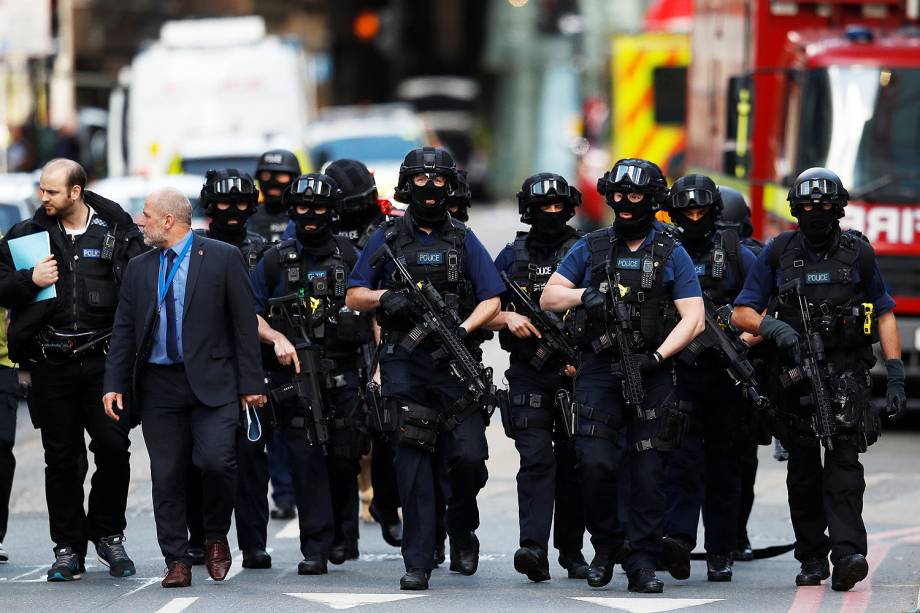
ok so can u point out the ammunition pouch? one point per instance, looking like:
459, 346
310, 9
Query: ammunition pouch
349, 438
854, 415
352, 328
419, 426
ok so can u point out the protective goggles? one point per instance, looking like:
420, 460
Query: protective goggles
692, 198
546, 187
312, 186
816, 189
365, 195
233, 184
634, 174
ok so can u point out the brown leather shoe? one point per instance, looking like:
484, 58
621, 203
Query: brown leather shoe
179, 575
219, 559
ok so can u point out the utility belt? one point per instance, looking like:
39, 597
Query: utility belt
419, 425
672, 418
542, 416
56, 345
843, 327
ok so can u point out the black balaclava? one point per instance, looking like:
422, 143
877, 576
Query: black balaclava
549, 229
272, 204
695, 232
428, 214
820, 227
643, 216
221, 227
318, 241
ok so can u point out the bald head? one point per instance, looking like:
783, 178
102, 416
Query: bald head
166, 218
60, 189
71, 172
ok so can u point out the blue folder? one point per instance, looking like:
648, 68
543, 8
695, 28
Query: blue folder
27, 251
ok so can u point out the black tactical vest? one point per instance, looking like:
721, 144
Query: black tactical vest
359, 238
650, 303
531, 270
840, 309
711, 267
441, 262
252, 247
90, 290
333, 325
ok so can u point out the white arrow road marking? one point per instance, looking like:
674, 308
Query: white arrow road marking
291, 530
177, 604
338, 600
647, 605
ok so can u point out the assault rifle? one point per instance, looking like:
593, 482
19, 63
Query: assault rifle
633, 391
306, 386
555, 339
442, 321
811, 364
730, 348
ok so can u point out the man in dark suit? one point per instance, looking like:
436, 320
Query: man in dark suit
186, 322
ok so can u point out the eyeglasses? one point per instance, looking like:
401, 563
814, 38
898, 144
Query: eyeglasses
312, 186
634, 174
231, 184
816, 188
547, 186
423, 178
692, 198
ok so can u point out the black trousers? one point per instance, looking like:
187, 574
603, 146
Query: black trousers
458, 463
179, 431
828, 497
546, 479
383, 480
68, 400
600, 458
344, 460
705, 473
748, 459
9, 403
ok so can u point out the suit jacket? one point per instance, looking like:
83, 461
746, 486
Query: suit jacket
220, 340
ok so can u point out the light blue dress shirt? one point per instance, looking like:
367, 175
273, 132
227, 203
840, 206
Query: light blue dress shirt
158, 352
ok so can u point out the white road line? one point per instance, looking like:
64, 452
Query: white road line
34, 570
291, 530
147, 583
177, 604
341, 600
650, 605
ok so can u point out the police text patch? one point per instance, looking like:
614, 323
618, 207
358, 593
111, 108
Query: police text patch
700, 269
430, 257
92, 253
815, 278
316, 274
629, 263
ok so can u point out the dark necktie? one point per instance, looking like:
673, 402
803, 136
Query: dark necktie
172, 341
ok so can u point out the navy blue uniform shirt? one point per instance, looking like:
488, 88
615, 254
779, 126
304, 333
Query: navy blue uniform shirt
477, 265
763, 280
679, 272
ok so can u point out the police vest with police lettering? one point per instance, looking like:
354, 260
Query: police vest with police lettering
530, 271
835, 288
650, 304
333, 325
440, 262
723, 253
252, 247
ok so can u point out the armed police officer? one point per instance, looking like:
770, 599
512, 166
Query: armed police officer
274, 172
62, 339
537, 373
230, 199
633, 280
441, 422
706, 471
832, 307
299, 287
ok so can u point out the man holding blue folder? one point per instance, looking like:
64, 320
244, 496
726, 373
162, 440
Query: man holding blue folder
60, 274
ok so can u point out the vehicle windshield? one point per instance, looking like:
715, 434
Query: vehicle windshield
368, 148
863, 123
201, 166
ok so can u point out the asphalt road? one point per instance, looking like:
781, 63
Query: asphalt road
891, 512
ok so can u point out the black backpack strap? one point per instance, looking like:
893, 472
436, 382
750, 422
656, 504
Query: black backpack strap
731, 243
865, 256
347, 250
778, 246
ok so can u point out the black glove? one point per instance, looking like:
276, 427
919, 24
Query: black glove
594, 301
460, 332
781, 333
896, 397
393, 302
647, 362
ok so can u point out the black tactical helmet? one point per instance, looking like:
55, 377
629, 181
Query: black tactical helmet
634, 175
227, 185
461, 198
422, 160
693, 191
278, 160
544, 188
313, 188
359, 190
734, 207
818, 185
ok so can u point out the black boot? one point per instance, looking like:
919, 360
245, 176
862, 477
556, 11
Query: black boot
813, 572
256, 558
415, 579
340, 553
464, 553
744, 553
285, 510
532, 562
718, 567
439, 554
675, 557
391, 528
197, 556
644, 581
848, 571
313, 564
601, 570
575, 563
